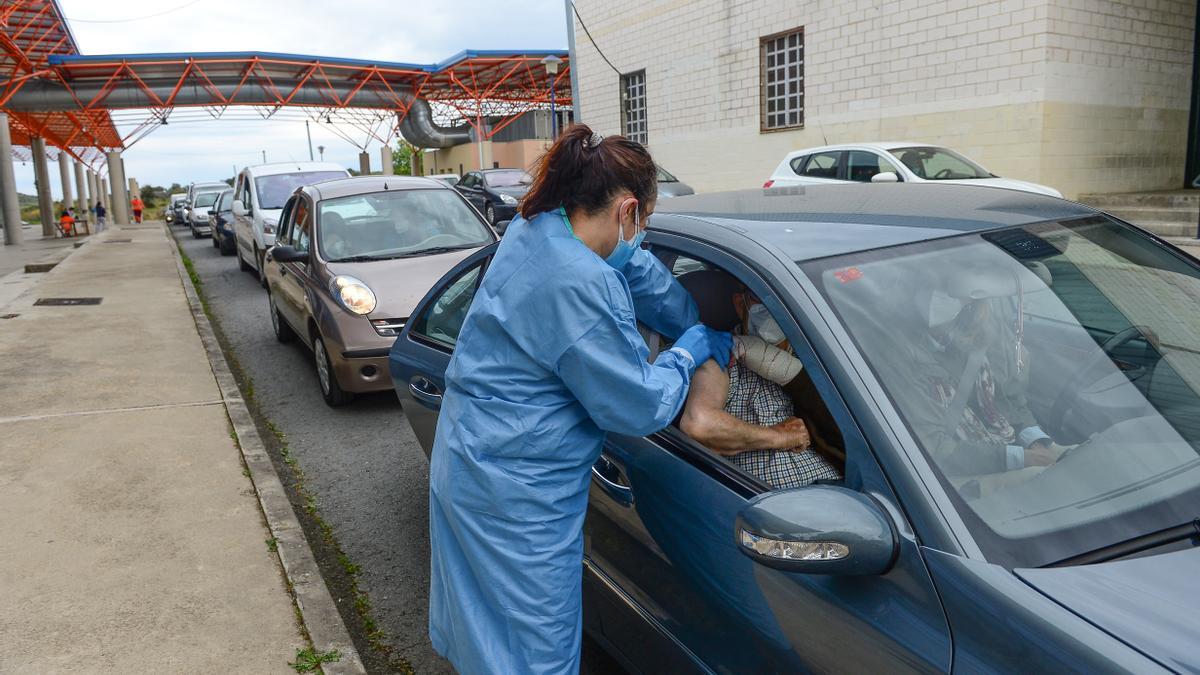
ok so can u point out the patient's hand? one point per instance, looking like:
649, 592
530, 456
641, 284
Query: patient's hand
793, 434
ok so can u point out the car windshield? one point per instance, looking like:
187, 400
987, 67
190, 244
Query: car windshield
1049, 373
206, 198
933, 163
225, 200
395, 224
664, 176
273, 191
513, 178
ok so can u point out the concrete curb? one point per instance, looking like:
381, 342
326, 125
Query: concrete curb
317, 608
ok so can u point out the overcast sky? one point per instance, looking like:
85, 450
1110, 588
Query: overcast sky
401, 30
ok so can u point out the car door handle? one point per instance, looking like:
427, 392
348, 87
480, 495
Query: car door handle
425, 391
606, 474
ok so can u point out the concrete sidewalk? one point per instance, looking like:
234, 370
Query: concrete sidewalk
131, 538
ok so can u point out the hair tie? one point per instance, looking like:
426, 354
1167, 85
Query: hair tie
593, 140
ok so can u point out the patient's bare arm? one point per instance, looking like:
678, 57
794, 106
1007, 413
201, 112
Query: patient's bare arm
705, 419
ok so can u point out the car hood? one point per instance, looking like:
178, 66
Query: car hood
1148, 603
400, 284
1008, 183
674, 189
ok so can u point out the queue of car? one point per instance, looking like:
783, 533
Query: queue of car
861, 252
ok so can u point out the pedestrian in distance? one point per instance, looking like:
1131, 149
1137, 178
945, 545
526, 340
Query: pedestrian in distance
101, 212
548, 360
138, 206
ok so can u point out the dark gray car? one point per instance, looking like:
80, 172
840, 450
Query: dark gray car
938, 327
670, 186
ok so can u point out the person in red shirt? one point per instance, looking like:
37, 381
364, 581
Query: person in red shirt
137, 209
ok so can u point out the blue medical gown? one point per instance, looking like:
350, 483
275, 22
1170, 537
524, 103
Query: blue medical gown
548, 359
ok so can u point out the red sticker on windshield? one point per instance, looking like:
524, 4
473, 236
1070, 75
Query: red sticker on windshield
847, 275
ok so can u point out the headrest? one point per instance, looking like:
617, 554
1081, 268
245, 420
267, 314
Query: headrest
713, 292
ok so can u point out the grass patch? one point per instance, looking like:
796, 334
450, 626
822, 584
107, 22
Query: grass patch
272, 544
310, 660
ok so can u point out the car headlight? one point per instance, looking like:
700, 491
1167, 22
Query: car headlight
353, 294
508, 199
269, 225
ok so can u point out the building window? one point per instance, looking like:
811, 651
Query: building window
633, 106
782, 80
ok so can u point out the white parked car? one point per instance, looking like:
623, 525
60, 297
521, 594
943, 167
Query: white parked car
258, 198
450, 179
889, 163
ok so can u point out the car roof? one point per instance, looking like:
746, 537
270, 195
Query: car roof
809, 222
361, 185
501, 168
876, 145
276, 168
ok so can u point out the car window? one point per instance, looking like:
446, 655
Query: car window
398, 224
861, 166
285, 224
823, 165
1078, 346
468, 181
797, 164
933, 163
443, 318
224, 201
301, 223
274, 190
245, 192
751, 397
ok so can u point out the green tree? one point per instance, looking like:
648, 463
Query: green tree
402, 157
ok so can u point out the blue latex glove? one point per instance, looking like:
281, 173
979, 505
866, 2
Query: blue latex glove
703, 343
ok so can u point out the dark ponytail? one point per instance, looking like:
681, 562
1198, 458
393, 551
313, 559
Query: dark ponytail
583, 171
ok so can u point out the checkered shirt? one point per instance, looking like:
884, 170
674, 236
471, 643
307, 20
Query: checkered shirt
756, 400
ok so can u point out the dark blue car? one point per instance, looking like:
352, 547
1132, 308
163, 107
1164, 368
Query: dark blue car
1008, 383
220, 222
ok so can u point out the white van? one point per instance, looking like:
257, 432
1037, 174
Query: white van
258, 198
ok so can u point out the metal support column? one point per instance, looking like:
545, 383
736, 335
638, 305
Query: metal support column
41, 174
120, 198
9, 201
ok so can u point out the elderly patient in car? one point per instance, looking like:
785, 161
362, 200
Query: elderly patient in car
745, 415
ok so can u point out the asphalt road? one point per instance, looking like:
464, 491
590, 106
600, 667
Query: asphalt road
362, 463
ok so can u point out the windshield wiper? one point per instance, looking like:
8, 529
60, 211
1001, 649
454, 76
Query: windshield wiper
1142, 542
437, 249
362, 258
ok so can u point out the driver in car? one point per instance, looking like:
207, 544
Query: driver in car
745, 415
973, 372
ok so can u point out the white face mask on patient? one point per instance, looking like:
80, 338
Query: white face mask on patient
764, 325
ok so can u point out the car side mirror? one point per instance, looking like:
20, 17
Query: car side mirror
885, 177
285, 253
819, 529
239, 209
212, 212
501, 226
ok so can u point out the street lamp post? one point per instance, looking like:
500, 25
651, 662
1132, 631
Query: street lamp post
321, 150
552, 63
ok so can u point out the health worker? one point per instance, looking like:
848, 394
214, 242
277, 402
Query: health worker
548, 360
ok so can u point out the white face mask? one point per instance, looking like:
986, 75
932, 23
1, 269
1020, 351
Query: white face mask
764, 325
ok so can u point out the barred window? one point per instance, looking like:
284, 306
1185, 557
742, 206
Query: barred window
782, 82
633, 106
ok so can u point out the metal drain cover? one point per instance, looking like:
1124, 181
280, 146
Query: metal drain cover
118, 241
62, 302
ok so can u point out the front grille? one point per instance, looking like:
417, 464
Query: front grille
389, 327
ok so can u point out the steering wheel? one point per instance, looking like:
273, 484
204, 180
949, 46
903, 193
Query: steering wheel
1069, 395
944, 173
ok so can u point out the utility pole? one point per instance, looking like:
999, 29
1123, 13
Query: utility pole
309, 132
576, 108
321, 149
